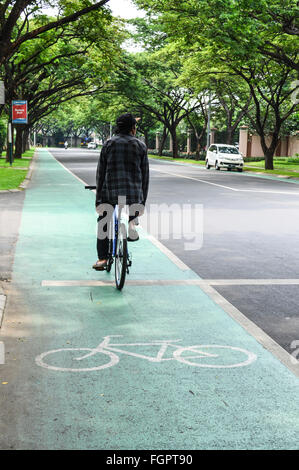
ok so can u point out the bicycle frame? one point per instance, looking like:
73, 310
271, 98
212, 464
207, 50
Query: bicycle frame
195, 355
105, 345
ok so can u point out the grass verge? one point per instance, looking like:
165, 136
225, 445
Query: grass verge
12, 176
278, 172
181, 160
283, 167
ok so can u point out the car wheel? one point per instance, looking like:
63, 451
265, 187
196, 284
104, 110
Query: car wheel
207, 165
216, 166
240, 170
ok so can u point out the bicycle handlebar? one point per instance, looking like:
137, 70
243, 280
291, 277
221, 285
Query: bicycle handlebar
90, 187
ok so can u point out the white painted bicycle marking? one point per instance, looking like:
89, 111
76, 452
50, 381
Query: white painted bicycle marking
197, 357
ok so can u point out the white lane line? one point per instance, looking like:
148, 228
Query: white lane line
207, 286
250, 282
171, 282
226, 187
69, 171
266, 341
179, 263
194, 179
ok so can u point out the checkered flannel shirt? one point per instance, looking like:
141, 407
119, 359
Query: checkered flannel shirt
123, 170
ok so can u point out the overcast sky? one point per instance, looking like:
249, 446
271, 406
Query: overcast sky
124, 9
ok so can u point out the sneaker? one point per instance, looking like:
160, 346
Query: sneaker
100, 265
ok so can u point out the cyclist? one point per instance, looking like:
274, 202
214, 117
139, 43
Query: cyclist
123, 171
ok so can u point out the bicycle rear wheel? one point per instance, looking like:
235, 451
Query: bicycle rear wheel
121, 257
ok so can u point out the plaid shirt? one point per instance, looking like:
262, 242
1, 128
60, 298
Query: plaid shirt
123, 170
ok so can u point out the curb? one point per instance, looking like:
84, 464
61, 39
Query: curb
287, 178
27, 179
2, 304
22, 186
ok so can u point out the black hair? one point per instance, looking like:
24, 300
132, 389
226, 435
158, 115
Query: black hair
125, 123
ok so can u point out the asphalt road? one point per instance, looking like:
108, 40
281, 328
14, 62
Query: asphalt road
250, 232
168, 362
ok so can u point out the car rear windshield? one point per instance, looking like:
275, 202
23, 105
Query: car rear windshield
228, 150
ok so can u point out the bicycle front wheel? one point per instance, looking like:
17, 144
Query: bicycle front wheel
110, 247
121, 257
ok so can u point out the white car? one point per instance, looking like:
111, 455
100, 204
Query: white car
224, 156
92, 145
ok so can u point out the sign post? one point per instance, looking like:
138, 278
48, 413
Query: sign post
19, 115
19, 112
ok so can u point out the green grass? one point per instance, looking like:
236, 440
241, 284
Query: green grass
18, 162
10, 176
279, 163
285, 166
183, 160
282, 172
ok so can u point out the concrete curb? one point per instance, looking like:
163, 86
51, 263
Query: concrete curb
22, 186
2, 304
27, 179
286, 178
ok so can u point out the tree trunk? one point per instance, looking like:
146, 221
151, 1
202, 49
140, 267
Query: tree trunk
146, 138
162, 141
25, 140
229, 136
270, 151
174, 142
18, 142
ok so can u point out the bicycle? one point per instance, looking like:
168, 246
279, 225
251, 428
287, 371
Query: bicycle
118, 246
205, 356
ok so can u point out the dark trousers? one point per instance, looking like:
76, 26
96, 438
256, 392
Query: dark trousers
103, 243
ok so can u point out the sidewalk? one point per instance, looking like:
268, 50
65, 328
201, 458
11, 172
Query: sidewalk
137, 403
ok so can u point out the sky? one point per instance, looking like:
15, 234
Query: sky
124, 8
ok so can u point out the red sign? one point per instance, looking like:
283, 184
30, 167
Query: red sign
19, 112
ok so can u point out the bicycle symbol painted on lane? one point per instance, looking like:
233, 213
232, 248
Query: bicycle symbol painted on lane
107, 354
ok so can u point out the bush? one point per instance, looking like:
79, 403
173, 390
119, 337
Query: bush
187, 156
253, 159
165, 153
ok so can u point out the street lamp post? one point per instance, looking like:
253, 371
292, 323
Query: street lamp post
209, 123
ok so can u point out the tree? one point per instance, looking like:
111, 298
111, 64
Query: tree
243, 28
15, 26
254, 41
149, 81
60, 66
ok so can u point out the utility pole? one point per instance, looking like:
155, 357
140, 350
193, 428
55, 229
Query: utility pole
10, 136
209, 123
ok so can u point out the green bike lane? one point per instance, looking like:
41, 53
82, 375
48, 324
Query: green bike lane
135, 403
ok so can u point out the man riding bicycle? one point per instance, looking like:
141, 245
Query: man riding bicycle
122, 172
